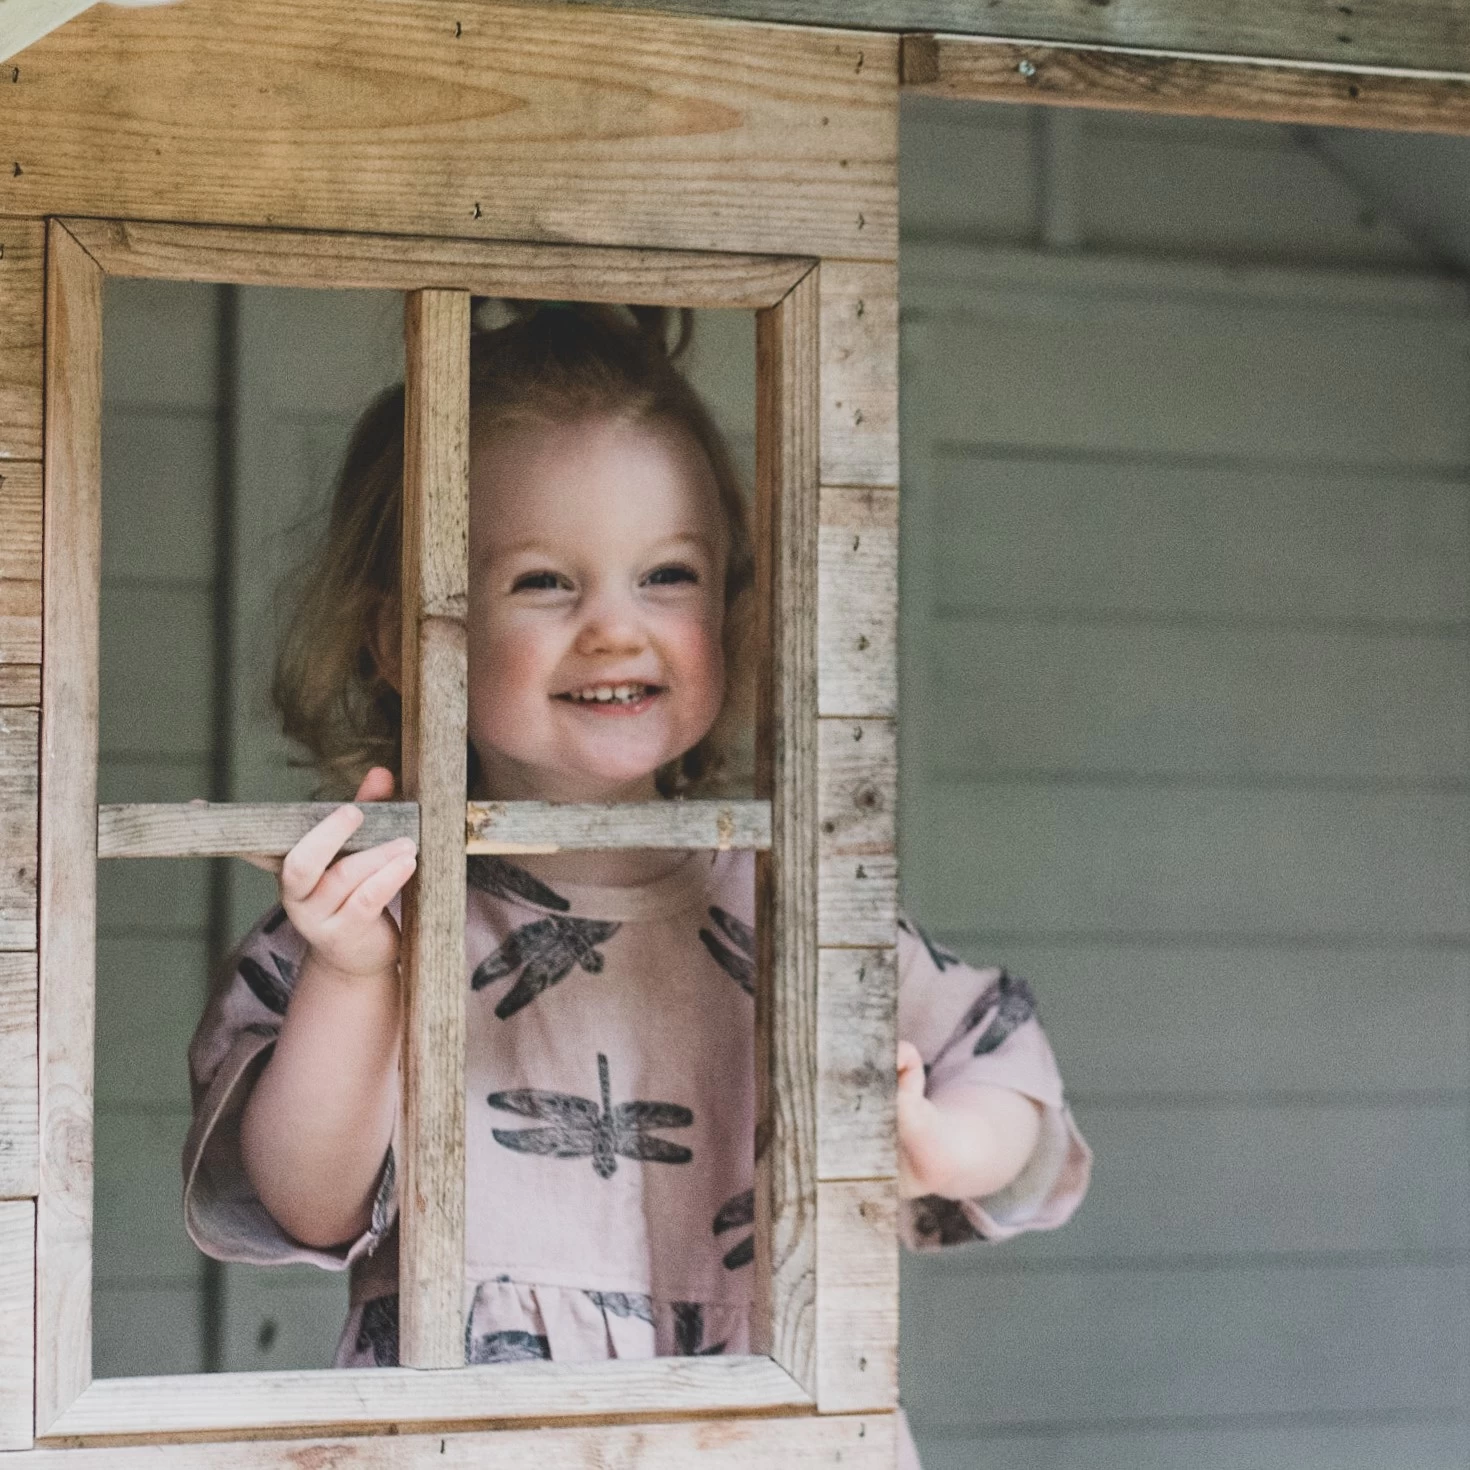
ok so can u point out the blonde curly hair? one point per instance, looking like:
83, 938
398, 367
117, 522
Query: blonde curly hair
554, 363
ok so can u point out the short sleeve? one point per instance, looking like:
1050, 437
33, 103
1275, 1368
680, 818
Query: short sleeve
979, 1026
231, 1045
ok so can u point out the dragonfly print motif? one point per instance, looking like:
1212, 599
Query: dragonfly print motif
501, 879
735, 1213
942, 957
689, 1332
940, 1221
578, 1128
1009, 1003
272, 991
509, 1346
737, 962
632, 1304
378, 1331
544, 951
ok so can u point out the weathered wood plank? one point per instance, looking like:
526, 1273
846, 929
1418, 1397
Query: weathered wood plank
859, 373
534, 826
238, 1405
496, 122
20, 684
68, 833
859, 786
20, 557
856, 1011
1179, 86
22, 310
19, 753
1413, 33
858, 602
434, 579
857, 901
17, 1321
19, 1140
231, 829
254, 257
788, 386
857, 1311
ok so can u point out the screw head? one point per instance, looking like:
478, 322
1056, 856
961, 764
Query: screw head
1027, 68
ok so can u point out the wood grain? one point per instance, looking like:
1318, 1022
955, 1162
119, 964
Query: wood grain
19, 755
857, 1312
857, 1005
19, 1139
1179, 86
807, 1442
231, 829
332, 260
786, 767
243, 1405
434, 579
535, 826
22, 311
858, 901
68, 831
858, 598
859, 786
17, 1321
496, 122
20, 684
859, 373
20, 558
1427, 34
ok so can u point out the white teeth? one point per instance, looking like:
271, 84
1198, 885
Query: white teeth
610, 694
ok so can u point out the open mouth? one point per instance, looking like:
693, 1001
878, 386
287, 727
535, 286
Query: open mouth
616, 695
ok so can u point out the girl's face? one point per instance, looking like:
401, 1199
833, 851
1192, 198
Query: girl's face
597, 594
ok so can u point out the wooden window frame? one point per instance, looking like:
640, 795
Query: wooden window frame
438, 278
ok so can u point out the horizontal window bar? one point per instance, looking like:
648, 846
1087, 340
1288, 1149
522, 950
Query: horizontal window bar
270, 829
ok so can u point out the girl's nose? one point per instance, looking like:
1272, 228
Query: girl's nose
610, 625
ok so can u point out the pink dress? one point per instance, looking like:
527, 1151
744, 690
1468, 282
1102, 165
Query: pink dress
609, 1115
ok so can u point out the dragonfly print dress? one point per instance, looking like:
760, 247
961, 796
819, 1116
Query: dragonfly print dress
609, 1116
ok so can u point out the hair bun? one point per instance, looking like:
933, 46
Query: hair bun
654, 325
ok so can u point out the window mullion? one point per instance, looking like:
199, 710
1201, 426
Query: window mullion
434, 583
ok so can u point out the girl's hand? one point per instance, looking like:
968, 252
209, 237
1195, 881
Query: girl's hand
974, 1142
338, 905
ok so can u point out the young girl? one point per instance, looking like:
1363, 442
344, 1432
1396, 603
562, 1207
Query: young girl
610, 1084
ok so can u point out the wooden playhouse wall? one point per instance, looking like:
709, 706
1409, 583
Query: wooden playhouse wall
483, 121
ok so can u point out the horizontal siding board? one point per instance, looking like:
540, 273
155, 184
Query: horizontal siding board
1134, 373
22, 294
19, 1139
17, 1321
1190, 537
20, 563
1224, 703
19, 757
774, 140
1077, 1345
1257, 1180
1125, 861
1193, 1021
1346, 1443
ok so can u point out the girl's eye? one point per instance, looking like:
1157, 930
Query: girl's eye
539, 582
669, 576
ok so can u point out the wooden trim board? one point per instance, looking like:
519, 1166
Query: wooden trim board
334, 260
987, 70
233, 829
347, 1400
498, 121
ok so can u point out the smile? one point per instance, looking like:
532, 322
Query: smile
618, 694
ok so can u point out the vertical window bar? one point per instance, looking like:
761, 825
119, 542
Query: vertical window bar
434, 581
786, 770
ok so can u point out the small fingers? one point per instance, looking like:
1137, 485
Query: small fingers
910, 1069
303, 866
337, 885
377, 785
376, 891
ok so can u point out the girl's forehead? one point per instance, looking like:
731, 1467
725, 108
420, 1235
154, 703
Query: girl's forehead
573, 477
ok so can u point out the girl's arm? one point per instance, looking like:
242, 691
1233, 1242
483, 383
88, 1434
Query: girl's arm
319, 1120
969, 1142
